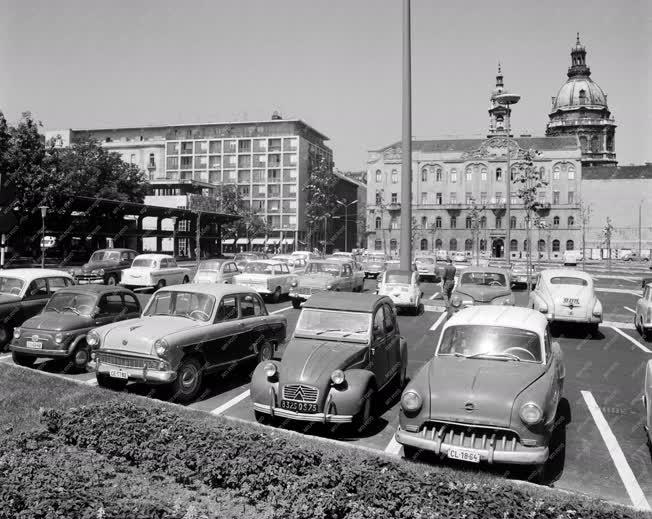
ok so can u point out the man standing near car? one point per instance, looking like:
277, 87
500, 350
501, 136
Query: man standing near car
448, 281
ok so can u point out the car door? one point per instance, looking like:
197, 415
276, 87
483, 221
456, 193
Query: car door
131, 306
110, 309
253, 325
36, 297
642, 304
285, 279
222, 347
175, 272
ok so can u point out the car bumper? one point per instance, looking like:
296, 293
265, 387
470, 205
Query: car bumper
302, 417
43, 352
401, 301
525, 456
573, 319
150, 376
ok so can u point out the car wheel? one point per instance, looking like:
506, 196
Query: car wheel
107, 382
266, 351
112, 280
276, 295
160, 284
189, 381
23, 360
185, 280
296, 303
79, 359
5, 337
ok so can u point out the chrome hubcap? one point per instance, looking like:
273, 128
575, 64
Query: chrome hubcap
188, 377
81, 357
266, 352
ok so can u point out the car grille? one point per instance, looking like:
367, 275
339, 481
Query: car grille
470, 436
128, 362
308, 291
300, 393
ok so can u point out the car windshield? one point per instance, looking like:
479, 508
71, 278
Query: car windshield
105, 255
567, 280
429, 261
398, 277
259, 267
210, 266
483, 278
71, 302
144, 262
323, 268
11, 286
337, 325
192, 305
491, 342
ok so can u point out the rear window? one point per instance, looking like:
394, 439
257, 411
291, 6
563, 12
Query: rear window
569, 281
144, 263
391, 277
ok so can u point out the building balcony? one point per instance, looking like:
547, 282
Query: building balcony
394, 206
584, 121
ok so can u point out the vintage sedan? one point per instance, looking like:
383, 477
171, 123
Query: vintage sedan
520, 275
459, 257
403, 287
647, 402
269, 278
59, 331
24, 293
643, 315
321, 276
482, 286
154, 271
216, 271
490, 393
373, 264
105, 266
185, 333
565, 295
296, 264
344, 350
356, 268
427, 268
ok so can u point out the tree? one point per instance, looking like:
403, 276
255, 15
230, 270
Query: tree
475, 213
606, 234
250, 224
321, 196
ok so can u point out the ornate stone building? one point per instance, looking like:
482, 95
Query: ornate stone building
580, 109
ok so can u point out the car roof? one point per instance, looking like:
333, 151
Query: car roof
114, 249
491, 270
154, 256
551, 273
93, 288
499, 315
29, 274
345, 301
399, 271
215, 289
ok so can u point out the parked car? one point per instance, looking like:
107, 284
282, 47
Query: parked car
482, 286
633, 256
321, 276
242, 258
105, 266
356, 268
296, 264
344, 350
23, 294
270, 278
340, 254
403, 288
490, 393
459, 257
643, 316
373, 264
59, 331
441, 255
520, 275
427, 268
185, 333
565, 295
154, 271
647, 401
216, 271
572, 257
307, 255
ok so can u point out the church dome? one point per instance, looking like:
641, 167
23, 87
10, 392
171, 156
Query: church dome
579, 91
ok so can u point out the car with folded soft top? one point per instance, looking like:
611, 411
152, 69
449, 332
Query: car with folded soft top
567, 295
154, 271
185, 333
490, 393
373, 264
24, 293
105, 266
403, 288
216, 271
270, 278
59, 331
322, 276
482, 286
427, 268
345, 349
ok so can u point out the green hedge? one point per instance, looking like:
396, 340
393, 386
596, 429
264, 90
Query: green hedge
265, 470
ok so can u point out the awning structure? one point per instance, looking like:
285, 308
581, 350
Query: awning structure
228, 241
258, 241
288, 241
273, 241
242, 241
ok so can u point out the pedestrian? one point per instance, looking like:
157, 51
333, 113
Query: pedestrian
448, 281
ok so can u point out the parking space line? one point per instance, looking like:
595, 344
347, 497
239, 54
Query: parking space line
617, 324
281, 310
231, 403
628, 308
438, 322
624, 470
393, 447
631, 339
433, 296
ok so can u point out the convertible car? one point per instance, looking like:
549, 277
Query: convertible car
565, 295
345, 349
490, 393
482, 286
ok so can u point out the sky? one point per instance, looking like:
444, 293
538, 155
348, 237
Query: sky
335, 64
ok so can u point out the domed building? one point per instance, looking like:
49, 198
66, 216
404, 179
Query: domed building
580, 109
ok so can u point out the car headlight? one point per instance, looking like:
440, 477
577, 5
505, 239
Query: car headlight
411, 401
98, 272
58, 338
543, 309
337, 377
456, 301
270, 369
531, 413
16, 333
93, 339
161, 346
328, 287
294, 284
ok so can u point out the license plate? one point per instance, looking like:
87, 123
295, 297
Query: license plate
116, 373
34, 345
464, 455
299, 407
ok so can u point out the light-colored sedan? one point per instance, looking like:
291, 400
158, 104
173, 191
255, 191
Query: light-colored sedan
356, 268
567, 295
154, 270
427, 268
269, 278
459, 257
216, 271
296, 264
403, 287
643, 316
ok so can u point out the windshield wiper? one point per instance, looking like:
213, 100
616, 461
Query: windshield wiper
73, 309
53, 308
494, 354
329, 330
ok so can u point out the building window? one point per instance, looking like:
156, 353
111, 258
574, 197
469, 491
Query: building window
483, 222
152, 161
542, 173
555, 197
571, 221
394, 176
542, 197
571, 197
379, 176
570, 244
438, 244
132, 160
483, 245
394, 223
394, 198
582, 97
525, 245
393, 244
555, 245
513, 245
453, 175
512, 222
610, 142
378, 245
483, 174
571, 172
542, 245
468, 197
379, 222
424, 175
469, 222
584, 144
424, 198
555, 221
467, 174
453, 222
499, 174
438, 175
483, 197
468, 244
424, 244
515, 172
438, 199
438, 222
499, 222
453, 198
499, 197
424, 222
555, 172
453, 244
379, 198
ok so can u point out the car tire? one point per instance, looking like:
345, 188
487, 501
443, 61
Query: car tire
79, 359
186, 280
189, 381
107, 382
276, 296
366, 415
594, 329
266, 351
5, 337
296, 303
27, 361
160, 284
112, 280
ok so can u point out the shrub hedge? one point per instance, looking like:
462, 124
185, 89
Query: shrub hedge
264, 469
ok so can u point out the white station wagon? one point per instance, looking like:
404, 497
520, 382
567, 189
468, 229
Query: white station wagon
154, 270
567, 295
269, 278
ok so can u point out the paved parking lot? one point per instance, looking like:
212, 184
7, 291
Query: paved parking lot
606, 454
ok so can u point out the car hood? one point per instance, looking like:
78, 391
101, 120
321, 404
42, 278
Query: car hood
58, 322
483, 294
206, 276
312, 361
139, 335
490, 385
94, 265
8, 298
316, 280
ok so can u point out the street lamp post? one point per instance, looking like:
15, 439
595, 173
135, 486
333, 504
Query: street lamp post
44, 212
346, 221
406, 147
640, 206
174, 236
